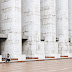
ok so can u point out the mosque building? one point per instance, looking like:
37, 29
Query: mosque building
36, 29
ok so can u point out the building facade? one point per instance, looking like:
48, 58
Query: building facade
38, 29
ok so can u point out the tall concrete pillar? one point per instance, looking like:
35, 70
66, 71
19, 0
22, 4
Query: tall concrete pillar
48, 25
31, 27
70, 18
70, 25
0, 24
11, 25
62, 27
0, 15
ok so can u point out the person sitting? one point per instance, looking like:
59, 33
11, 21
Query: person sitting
8, 59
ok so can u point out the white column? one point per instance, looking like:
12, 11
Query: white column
0, 25
11, 25
48, 24
70, 25
0, 15
62, 26
31, 27
70, 18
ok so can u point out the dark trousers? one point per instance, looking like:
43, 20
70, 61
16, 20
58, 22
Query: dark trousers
7, 60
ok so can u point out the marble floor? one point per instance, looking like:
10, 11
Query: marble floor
63, 65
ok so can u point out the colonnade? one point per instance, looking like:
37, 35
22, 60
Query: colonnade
33, 20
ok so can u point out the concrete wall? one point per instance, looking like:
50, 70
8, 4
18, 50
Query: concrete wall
11, 25
70, 26
48, 26
31, 27
62, 26
32, 20
70, 18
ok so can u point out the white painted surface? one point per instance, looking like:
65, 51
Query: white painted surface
62, 26
21, 57
70, 18
70, 26
31, 27
41, 54
11, 25
0, 58
48, 25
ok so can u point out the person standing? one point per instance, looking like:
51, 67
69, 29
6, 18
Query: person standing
8, 59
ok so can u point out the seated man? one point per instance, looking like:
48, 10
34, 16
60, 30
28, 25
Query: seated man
8, 58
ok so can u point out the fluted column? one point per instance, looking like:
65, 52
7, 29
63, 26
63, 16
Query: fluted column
48, 26
11, 25
31, 27
62, 27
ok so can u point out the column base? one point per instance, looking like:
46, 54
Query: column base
70, 55
32, 58
37, 56
14, 58
49, 57
66, 55
21, 58
53, 56
63, 56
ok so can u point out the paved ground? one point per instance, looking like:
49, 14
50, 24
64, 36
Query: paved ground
64, 65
